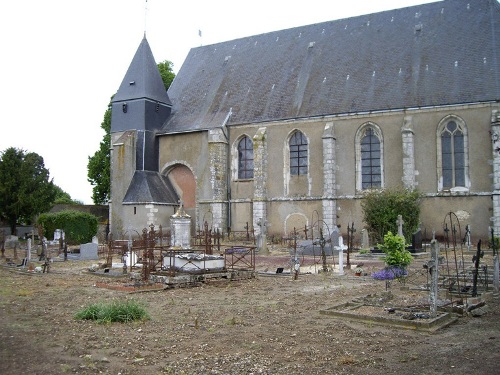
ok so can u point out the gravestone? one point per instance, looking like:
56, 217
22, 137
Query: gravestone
335, 237
365, 240
262, 236
28, 250
11, 241
400, 223
312, 247
58, 233
416, 242
88, 251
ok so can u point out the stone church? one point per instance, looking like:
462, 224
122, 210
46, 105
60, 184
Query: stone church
292, 127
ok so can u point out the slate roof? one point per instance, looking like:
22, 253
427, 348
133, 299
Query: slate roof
434, 54
150, 187
142, 79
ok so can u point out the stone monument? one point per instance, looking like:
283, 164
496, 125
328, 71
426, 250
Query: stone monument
180, 230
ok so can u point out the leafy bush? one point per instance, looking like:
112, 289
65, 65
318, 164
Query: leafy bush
116, 311
79, 227
382, 207
395, 251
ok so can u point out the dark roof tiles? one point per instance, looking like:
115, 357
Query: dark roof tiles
433, 54
150, 187
142, 79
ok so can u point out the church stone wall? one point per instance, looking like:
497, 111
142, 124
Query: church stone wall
410, 159
122, 171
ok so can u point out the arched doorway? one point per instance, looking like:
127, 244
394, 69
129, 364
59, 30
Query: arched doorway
184, 182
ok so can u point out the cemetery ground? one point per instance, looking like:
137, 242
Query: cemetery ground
271, 324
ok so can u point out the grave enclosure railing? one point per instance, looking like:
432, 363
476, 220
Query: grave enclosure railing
247, 235
153, 253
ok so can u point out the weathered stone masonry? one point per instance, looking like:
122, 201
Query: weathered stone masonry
217, 152
495, 138
260, 178
329, 202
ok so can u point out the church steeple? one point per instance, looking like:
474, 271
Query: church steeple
141, 102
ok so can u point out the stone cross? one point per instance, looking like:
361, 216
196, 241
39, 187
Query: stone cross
433, 269
28, 251
496, 274
341, 260
400, 223
365, 243
262, 237
467, 236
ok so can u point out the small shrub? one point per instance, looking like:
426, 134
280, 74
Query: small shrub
79, 227
394, 247
116, 311
382, 207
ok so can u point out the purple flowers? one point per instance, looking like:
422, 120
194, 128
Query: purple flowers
390, 273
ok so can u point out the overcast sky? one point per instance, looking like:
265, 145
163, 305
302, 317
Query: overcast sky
61, 60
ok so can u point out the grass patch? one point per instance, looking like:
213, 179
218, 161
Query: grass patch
346, 360
24, 293
116, 311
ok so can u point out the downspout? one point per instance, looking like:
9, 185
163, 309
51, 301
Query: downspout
225, 130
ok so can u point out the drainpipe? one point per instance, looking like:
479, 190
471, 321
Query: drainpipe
225, 130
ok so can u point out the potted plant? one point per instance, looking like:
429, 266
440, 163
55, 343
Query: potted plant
358, 271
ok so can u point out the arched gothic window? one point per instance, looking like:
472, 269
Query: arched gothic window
452, 154
369, 155
298, 154
245, 158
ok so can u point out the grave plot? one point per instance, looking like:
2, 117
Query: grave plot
385, 309
158, 261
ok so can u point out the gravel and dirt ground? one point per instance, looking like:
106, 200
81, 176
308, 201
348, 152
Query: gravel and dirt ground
267, 325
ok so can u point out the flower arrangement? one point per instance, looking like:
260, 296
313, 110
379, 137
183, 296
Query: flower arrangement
397, 259
390, 273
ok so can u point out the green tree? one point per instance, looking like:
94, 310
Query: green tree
382, 207
26, 189
99, 165
64, 198
166, 73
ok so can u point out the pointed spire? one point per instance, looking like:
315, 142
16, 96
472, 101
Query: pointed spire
142, 79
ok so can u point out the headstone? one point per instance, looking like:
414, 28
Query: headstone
341, 260
416, 242
335, 237
58, 234
262, 237
365, 240
400, 223
88, 251
11, 241
313, 247
28, 250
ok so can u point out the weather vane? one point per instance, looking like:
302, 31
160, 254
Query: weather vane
145, 17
